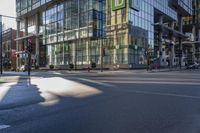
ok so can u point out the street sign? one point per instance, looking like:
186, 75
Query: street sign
118, 4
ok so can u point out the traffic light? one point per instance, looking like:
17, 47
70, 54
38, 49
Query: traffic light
30, 45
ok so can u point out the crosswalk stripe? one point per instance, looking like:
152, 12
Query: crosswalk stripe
4, 126
149, 82
96, 82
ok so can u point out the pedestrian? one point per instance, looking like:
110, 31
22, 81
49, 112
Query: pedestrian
88, 69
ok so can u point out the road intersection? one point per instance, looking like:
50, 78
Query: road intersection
114, 102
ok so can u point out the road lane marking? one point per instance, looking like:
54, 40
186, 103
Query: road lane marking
147, 79
4, 126
165, 94
144, 92
95, 82
149, 82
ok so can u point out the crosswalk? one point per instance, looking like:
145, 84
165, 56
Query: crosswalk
2, 126
168, 79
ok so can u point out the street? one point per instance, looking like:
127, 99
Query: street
110, 102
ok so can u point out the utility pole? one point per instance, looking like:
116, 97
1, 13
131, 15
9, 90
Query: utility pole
1, 50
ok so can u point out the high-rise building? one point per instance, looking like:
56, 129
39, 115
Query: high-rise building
9, 49
119, 33
192, 28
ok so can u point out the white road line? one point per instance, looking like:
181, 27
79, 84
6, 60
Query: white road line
143, 92
96, 82
148, 79
150, 82
164, 94
4, 126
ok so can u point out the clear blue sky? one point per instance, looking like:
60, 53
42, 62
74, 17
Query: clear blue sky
8, 7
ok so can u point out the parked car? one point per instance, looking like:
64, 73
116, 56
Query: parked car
193, 66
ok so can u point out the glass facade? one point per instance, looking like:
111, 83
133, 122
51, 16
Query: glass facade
163, 6
70, 30
24, 6
141, 31
141, 27
191, 24
76, 33
186, 5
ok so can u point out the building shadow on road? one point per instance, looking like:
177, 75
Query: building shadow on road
33, 99
63, 104
19, 93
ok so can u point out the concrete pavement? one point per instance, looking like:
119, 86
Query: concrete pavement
125, 101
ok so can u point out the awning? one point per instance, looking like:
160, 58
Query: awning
168, 30
191, 42
24, 37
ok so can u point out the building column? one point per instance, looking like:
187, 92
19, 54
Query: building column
160, 35
198, 55
87, 52
74, 52
26, 34
37, 40
197, 34
198, 47
171, 48
193, 45
17, 44
180, 23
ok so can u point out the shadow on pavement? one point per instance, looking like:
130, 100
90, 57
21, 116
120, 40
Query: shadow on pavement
59, 104
46, 99
20, 93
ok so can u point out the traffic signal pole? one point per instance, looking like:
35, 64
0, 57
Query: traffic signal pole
29, 64
29, 51
1, 49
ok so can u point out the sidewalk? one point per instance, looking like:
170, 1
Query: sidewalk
13, 76
13, 73
169, 69
42, 91
42, 73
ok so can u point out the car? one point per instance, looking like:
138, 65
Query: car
193, 66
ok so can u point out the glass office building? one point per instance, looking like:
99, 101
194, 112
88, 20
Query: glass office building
192, 27
118, 33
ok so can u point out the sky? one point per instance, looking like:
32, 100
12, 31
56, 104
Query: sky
8, 7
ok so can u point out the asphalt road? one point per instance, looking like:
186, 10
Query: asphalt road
121, 102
